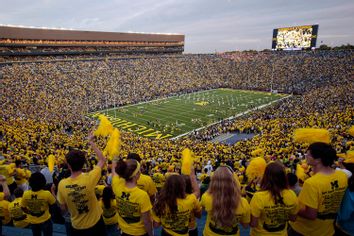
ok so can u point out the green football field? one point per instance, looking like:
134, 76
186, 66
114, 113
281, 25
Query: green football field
176, 116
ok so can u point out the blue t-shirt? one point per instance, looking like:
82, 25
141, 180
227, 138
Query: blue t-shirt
345, 218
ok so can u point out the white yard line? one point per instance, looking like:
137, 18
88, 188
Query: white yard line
232, 117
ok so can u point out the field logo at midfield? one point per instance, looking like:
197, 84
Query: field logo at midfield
135, 128
202, 103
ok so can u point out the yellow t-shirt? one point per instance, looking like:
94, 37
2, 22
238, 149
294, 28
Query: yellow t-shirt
131, 203
37, 205
272, 218
99, 190
324, 193
110, 215
242, 214
4, 212
202, 177
79, 196
178, 223
18, 216
146, 183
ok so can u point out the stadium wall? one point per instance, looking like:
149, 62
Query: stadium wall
75, 35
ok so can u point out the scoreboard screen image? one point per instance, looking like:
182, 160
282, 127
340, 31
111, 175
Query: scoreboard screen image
295, 38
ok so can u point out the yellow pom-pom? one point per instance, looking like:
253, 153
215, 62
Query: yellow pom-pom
187, 161
311, 135
351, 131
256, 168
113, 145
300, 172
51, 161
105, 127
341, 155
350, 154
349, 157
257, 152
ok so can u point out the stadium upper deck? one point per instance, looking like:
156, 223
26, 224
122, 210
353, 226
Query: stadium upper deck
18, 41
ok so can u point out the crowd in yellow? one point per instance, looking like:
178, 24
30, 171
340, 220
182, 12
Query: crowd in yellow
44, 107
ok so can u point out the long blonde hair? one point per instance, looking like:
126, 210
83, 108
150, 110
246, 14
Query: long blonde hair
226, 197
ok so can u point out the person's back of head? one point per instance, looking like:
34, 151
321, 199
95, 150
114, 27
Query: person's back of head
37, 181
324, 152
128, 169
274, 180
76, 160
206, 170
18, 192
18, 163
174, 187
35, 161
226, 196
134, 156
107, 196
292, 179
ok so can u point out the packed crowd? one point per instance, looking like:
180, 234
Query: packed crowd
117, 198
43, 108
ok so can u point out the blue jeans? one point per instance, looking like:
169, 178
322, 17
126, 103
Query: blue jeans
45, 227
112, 230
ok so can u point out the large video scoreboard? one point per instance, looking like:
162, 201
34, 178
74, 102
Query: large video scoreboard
295, 38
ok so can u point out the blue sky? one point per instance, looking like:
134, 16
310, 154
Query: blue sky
209, 25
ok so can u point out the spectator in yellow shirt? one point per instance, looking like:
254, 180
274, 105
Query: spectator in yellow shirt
274, 205
174, 209
22, 175
77, 193
35, 203
133, 203
19, 217
225, 207
110, 214
145, 182
321, 194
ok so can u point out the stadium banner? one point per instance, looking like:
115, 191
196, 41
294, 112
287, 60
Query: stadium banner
295, 37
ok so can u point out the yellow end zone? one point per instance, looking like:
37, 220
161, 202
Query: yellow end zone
135, 128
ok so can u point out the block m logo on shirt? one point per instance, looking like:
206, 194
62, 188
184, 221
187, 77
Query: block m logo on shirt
125, 196
334, 185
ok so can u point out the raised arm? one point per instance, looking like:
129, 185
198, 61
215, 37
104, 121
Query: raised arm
193, 177
113, 167
101, 158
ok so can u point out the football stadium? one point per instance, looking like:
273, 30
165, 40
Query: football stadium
111, 133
